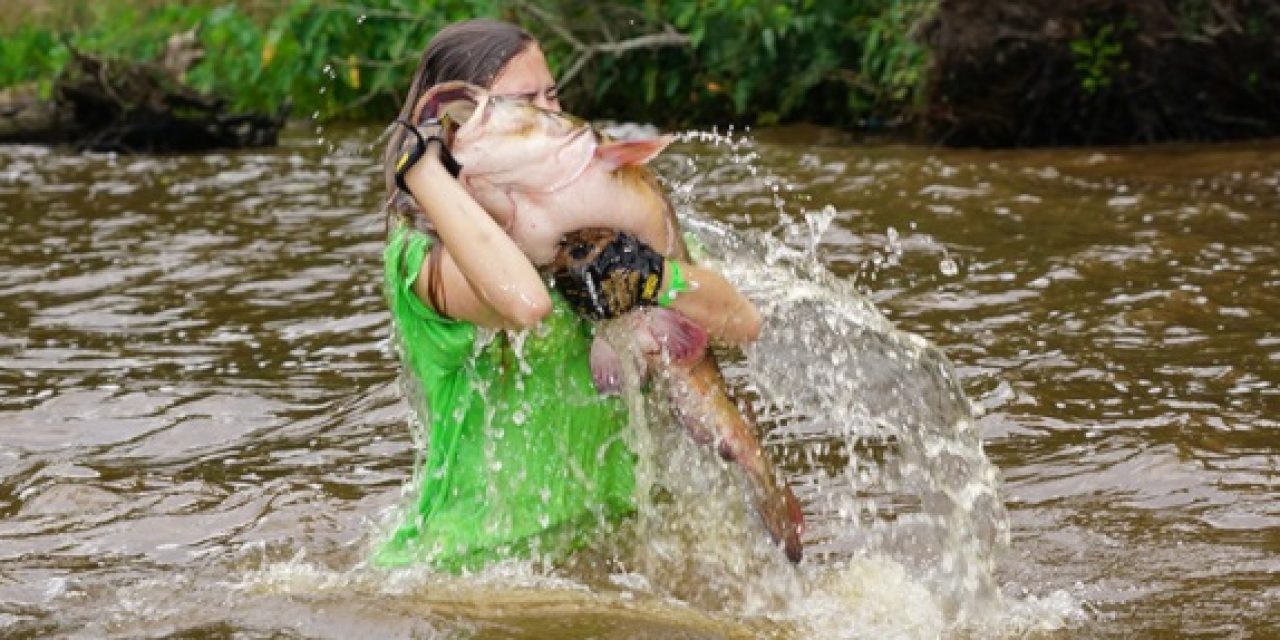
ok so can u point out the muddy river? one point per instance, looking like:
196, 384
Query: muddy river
1031, 393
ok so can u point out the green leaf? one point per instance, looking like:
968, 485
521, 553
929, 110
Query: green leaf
696, 35
685, 17
741, 95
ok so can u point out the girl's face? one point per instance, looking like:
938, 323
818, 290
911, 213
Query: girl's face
527, 77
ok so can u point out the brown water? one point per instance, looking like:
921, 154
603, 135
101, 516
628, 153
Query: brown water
202, 431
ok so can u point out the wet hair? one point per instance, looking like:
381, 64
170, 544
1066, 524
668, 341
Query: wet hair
472, 51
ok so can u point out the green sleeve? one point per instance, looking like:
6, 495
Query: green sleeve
433, 344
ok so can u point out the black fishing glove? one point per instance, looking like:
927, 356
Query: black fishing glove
420, 145
604, 273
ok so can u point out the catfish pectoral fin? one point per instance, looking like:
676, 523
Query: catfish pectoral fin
675, 334
606, 367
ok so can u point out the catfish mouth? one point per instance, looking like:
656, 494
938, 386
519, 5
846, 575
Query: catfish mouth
453, 101
470, 113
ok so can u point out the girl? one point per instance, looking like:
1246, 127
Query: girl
524, 456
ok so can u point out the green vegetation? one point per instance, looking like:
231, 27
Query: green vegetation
742, 61
1100, 57
751, 61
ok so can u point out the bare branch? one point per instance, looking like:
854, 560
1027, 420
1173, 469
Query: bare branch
363, 100
604, 27
670, 38
1227, 16
552, 23
574, 69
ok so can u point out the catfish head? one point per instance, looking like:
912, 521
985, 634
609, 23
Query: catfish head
515, 145
508, 141
541, 174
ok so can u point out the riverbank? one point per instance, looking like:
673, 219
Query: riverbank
960, 72
719, 62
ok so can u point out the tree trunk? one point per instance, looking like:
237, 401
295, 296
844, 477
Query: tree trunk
103, 104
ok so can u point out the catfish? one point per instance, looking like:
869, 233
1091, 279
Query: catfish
547, 177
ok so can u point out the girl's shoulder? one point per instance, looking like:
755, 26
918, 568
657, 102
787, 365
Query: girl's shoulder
433, 344
403, 256
404, 252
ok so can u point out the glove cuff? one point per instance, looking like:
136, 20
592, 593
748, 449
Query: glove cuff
609, 273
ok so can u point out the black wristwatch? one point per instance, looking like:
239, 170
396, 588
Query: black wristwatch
412, 156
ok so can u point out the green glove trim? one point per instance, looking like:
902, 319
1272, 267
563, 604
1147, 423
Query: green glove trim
675, 287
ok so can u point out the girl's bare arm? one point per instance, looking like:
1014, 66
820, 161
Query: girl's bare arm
485, 277
715, 305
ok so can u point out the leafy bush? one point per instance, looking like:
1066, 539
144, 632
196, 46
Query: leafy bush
31, 54
747, 61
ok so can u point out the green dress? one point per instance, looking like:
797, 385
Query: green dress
523, 455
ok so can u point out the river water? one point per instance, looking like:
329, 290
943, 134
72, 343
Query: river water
202, 430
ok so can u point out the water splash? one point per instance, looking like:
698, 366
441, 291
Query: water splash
843, 383
903, 506
873, 421
875, 430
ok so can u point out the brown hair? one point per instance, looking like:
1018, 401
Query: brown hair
472, 51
